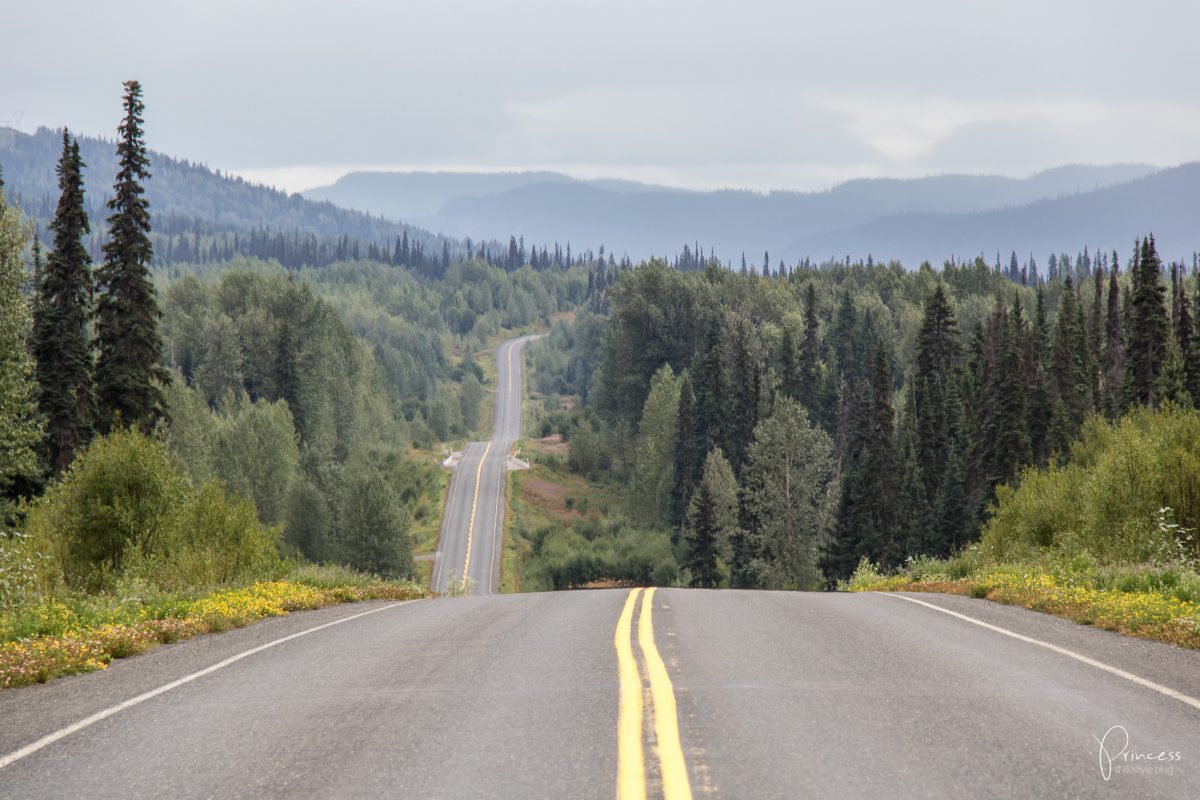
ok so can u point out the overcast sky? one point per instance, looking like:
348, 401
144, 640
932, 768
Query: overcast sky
754, 93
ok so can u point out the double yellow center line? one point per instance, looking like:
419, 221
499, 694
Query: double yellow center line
466, 573
631, 764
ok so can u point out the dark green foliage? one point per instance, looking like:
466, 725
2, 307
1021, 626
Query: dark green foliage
370, 524
710, 384
20, 425
655, 321
1039, 408
868, 522
61, 312
746, 374
784, 502
936, 367
688, 455
1114, 347
129, 374
810, 390
1188, 339
1070, 370
711, 524
123, 509
1148, 328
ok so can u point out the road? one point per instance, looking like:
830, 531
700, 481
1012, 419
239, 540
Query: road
472, 539
685, 693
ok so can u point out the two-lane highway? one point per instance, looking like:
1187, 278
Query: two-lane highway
472, 539
669, 693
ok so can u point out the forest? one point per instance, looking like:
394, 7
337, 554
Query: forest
777, 426
780, 428
179, 419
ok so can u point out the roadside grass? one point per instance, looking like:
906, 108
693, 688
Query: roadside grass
1147, 601
427, 510
546, 494
75, 633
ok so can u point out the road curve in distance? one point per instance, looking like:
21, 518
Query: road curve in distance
472, 539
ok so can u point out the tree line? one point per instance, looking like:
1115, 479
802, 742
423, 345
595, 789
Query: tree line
93, 335
785, 425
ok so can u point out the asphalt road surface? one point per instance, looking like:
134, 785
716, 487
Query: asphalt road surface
472, 537
619, 693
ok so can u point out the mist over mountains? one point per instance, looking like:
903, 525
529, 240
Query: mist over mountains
934, 218
183, 194
910, 220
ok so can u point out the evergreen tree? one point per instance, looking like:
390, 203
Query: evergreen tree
711, 523
789, 366
745, 389
711, 392
1189, 351
1114, 348
654, 461
784, 501
688, 463
1039, 405
63, 304
935, 368
1192, 357
914, 524
810, 391
1149, 328
129, 375
1072, 393
867, 522
20, 426
1002, 446
1095, 335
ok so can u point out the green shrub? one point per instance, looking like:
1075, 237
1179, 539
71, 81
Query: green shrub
1131, 493
122, 494
123, 514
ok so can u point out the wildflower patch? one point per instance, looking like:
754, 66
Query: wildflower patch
78, 649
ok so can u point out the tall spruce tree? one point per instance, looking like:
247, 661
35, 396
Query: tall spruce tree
60, 337
1185, 334
936, 366
914, 522
1039, 405
1192, 357
1149, 328
810, 391
1072, 392
1002, 445
1114, 347
129, 374
710, 385
711, 523
867, 521
688, 455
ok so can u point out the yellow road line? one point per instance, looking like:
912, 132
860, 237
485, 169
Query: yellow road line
666, 721
474, 503
631, 768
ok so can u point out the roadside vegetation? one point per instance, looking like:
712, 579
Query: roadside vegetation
192, 439
1106, 539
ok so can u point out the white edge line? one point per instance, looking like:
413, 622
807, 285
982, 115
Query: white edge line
62, 733
1120, 673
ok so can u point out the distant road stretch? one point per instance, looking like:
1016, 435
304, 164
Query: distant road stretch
472, 539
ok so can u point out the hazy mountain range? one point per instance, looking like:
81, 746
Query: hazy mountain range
1059, 210
180, 192
934, 218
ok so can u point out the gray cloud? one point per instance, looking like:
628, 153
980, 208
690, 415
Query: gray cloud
762, 93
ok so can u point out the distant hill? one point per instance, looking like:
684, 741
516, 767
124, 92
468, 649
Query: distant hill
182, 193
1166, 203
642, 220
